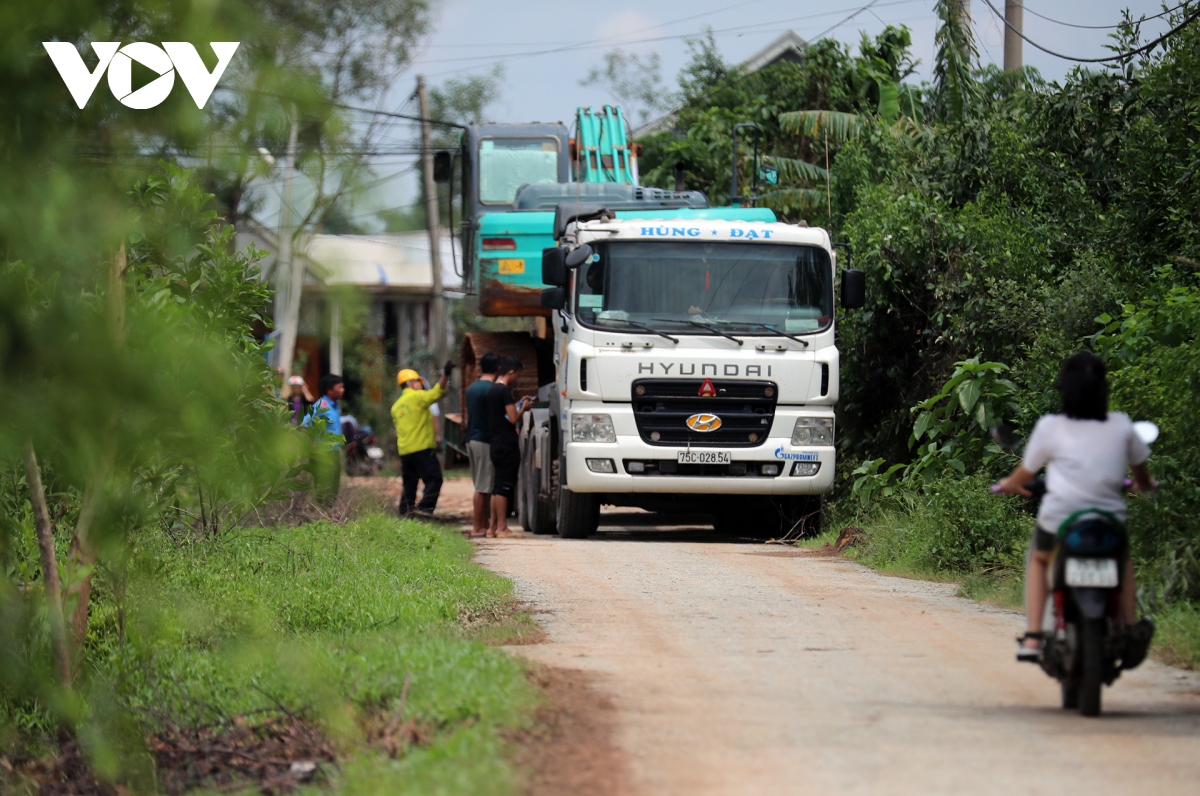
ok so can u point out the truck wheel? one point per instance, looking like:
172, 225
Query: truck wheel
522, 499
578, 514
541, 509
536, 510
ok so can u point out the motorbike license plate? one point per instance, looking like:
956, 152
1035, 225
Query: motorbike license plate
705, 457
1098, 573
374, 452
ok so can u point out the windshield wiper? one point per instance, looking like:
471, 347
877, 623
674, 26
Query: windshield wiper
775, 331
641, 326
700, 325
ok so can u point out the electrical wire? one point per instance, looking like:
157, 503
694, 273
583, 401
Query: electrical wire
1028, 10
832, 28
603, 38
1119, 57
764, 27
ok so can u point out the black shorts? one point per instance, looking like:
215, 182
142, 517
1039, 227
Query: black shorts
507, 463
1042, 540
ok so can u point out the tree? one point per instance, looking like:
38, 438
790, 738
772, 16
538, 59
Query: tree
125, 331
633, 81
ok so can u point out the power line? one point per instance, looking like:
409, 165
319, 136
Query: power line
1119, 57
832, 28
1097, 27
591, 44
344, 106
604, 38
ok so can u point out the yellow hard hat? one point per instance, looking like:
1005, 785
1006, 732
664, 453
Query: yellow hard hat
406, 375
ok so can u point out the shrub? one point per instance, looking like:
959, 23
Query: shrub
946, 525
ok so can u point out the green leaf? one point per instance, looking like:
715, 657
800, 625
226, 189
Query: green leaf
839, 126
921, 425
968, 394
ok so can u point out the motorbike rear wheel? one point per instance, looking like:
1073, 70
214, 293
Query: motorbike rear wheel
1091, 666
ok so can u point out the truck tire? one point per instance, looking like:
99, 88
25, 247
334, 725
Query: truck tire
522, 499
538, 512
578, 514
1091, 665
542, 508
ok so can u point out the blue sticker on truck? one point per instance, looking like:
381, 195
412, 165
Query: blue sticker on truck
805, 456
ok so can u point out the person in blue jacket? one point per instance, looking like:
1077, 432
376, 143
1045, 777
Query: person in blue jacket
327, 467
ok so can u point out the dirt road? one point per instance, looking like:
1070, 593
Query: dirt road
744, 669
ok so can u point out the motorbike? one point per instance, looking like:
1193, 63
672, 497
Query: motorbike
1086, 645
363, 453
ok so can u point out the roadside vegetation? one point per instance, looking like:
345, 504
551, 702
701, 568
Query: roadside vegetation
1004, 222
357, 647
162, 627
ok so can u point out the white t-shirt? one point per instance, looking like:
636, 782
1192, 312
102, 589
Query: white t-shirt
1086, 463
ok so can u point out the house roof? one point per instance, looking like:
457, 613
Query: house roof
787, 46
389, 261
395, 260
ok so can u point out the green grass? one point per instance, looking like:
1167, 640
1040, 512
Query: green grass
328, 622
1177, 640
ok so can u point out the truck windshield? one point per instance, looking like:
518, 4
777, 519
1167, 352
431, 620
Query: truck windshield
505, 164
730, 286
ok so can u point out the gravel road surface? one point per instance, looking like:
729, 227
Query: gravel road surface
739, 668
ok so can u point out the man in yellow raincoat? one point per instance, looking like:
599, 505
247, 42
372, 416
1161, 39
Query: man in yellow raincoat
415, 440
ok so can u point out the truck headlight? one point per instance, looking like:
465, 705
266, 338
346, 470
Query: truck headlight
813, 431
592, 428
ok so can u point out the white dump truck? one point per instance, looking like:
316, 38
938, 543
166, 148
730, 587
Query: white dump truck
684, 356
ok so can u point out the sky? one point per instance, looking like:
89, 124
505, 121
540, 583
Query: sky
476, 36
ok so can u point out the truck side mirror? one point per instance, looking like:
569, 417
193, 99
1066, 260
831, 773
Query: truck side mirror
578, 256
554, 298
854, 288
554, 266
442, 166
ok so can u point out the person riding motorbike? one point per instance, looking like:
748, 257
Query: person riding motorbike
1086, 451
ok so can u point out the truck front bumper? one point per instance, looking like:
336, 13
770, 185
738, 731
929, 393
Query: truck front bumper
745, 477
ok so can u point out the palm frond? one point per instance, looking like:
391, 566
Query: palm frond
839, 125
795, 198
793, 170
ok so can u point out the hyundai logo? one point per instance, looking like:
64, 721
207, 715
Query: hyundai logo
704, 422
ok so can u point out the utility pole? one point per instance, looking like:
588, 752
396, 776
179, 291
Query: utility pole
437, 309
1014, 14
289, 280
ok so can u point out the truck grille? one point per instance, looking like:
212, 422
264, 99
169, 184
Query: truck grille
661, 408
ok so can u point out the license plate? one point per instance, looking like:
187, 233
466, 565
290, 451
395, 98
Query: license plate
374, 452
1097, 573
705, 457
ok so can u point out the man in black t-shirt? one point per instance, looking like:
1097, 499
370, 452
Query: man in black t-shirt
504, 415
